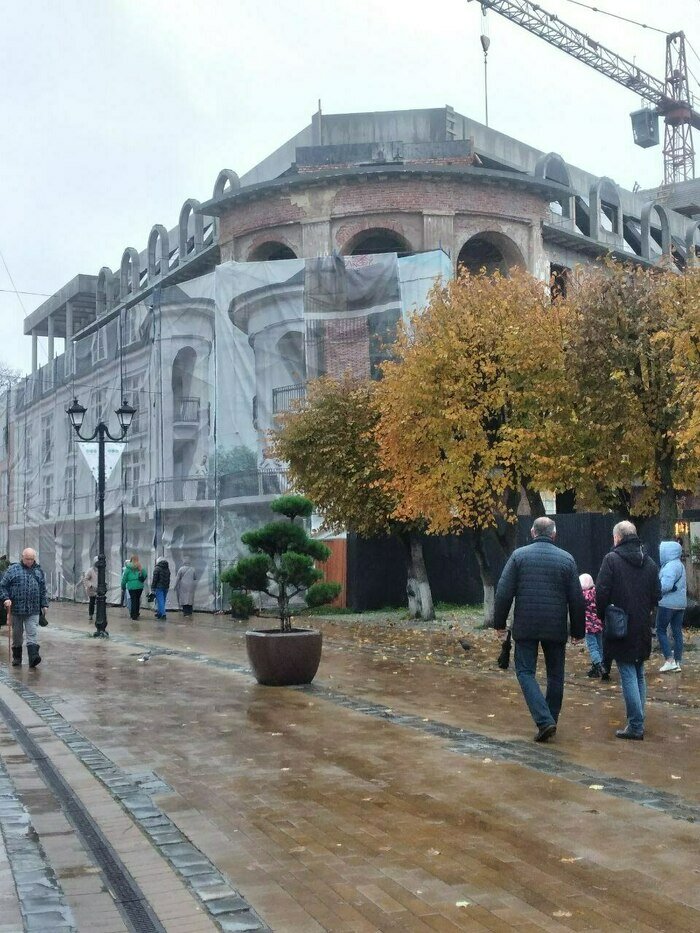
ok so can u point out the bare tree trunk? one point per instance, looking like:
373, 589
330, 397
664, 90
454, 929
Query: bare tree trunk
668, 501
420, 575
487, 578
418, 592
534, 499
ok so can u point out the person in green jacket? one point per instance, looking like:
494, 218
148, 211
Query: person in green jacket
133, 578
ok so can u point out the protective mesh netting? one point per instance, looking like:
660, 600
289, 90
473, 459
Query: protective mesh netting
208, 364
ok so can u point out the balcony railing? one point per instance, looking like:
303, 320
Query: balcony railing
187, 409
284, 396
240, 485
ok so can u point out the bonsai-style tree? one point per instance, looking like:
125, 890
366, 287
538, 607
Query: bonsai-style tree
282, 561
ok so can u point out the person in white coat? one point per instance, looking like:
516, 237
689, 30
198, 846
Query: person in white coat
185, 583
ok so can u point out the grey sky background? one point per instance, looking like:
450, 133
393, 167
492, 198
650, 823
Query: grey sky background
115, 111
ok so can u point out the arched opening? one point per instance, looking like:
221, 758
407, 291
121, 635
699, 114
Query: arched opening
227, 182
604, 208
105, 290
182, 376
492, 252
663, 237
291, 372
130, 272
271, 251
157, 267
191, 229
376, 241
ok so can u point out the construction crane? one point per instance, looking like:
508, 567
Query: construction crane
671, 97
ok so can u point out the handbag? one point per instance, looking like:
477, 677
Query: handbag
615, 622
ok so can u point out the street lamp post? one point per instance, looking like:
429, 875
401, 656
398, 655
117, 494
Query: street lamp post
125, 413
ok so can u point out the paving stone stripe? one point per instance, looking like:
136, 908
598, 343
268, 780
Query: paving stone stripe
222, 902
546, 760
41, 898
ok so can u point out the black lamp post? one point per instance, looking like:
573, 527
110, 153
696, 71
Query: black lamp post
125, 413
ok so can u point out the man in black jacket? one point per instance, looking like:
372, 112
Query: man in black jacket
543, 580
629, 579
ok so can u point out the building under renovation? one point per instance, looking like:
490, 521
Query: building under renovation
301, 267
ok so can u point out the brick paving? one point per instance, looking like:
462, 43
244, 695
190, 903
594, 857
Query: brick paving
326, 812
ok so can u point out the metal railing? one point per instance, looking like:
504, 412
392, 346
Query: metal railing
283, 397
187, 409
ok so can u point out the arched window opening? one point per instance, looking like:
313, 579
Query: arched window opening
186, 404
272, 251
377, 241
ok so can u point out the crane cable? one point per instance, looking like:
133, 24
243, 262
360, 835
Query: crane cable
624, 19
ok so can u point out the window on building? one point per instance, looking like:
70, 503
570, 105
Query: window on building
99, 345
69, 489
47, 438
28, 452
131, 326
558, 280
47, 493
132, 391
134, 474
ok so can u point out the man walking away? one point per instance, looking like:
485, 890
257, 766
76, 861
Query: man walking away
543, 581
629, 579
23, 592
160, 584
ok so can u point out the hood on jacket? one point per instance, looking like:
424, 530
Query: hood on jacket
162, 560
586, 580
631, 550
668, 551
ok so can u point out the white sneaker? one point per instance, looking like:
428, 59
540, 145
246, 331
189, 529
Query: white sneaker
669, 665
677, 668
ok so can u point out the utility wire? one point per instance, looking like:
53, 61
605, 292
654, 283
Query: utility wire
13, 291
625, 19
12, 282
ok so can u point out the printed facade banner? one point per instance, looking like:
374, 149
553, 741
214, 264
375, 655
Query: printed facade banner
208, 364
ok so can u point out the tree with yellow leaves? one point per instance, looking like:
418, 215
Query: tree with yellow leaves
626, 412
333, 458
466, 409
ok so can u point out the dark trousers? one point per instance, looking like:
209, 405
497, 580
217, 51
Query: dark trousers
186, 609
91, 605
135, 596
543, 709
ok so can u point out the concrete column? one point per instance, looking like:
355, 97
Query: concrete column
35, 351
50, 333
68, 349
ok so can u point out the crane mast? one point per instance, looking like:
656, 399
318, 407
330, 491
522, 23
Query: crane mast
671, 97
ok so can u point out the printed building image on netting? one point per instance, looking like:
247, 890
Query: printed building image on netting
208, 364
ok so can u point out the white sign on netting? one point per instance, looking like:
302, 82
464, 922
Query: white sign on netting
91, 452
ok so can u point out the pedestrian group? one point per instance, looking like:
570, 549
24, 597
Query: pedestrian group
614, 614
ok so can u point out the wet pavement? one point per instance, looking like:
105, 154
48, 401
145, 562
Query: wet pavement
399, 792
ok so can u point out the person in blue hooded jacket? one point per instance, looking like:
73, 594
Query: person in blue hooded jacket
672, 605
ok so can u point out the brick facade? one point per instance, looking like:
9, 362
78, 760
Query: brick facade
428, 213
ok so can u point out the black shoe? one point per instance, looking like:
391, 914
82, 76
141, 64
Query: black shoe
33, 655
605, 676
16, 657
595, 671
546, 733
627, 733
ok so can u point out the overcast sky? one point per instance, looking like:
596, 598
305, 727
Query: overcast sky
115, 111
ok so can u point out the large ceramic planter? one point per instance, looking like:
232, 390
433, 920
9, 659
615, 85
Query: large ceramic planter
284, 659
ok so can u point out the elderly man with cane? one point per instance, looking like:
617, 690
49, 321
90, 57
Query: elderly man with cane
23, 593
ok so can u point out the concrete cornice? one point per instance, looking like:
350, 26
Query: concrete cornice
218, 206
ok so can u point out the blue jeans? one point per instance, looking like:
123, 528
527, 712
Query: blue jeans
594, 643
544, 710
665, 616
634, 690
160, 602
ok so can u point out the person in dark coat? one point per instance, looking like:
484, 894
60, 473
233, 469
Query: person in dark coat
160, 584
543, 581
629, 579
